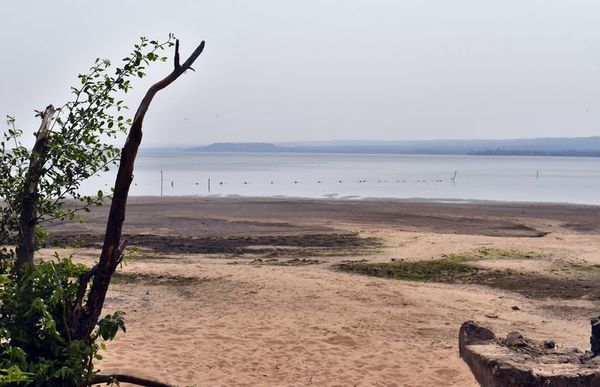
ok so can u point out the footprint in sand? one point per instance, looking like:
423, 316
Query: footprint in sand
341, 340
446, 372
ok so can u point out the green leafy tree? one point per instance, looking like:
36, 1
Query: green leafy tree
73, 144
50, 325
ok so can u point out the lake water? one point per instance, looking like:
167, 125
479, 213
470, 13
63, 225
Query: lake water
503, 178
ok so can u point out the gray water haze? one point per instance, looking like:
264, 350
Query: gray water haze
358, 176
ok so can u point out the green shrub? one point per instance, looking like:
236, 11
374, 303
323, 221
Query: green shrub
35, 344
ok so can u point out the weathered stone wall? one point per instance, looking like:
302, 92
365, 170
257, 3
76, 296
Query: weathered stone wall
501, 367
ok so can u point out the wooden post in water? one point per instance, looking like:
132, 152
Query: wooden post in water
161, 183
209, 185
453, 178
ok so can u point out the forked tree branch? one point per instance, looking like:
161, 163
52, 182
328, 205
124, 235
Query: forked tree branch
85, 319
83, 284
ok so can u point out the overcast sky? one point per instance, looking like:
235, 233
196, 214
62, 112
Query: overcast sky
276, 70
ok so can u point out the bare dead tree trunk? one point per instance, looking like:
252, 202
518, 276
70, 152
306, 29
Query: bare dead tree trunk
84, 318
28, 219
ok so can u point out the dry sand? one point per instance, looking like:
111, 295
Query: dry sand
202, 310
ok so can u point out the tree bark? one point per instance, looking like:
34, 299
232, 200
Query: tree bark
122, 378
28, 219
85, 318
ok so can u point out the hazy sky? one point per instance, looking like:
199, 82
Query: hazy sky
276, 70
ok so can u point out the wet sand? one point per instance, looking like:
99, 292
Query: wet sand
243, 291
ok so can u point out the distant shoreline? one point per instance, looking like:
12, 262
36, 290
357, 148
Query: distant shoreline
505, 152
415, 200
373, 153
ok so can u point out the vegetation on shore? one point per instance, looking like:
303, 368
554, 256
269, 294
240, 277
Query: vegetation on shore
463, 269
450, 268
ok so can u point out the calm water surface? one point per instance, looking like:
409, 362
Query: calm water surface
503, 178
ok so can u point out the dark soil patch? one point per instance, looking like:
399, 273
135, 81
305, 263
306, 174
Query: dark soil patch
540, 286
275, 245
586, 228
439, 270
484, 253
152, 279
285, 262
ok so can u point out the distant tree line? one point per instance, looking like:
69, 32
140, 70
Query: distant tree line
513, 152
533, 147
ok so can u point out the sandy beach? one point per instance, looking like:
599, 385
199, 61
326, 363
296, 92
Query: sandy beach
244, 291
